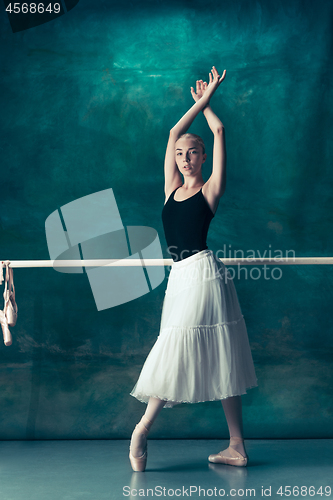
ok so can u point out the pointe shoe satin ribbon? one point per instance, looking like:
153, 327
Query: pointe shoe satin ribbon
139, 463
1, 273
236, 459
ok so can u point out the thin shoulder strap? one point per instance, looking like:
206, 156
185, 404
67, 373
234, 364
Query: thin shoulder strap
173, 192
171, 195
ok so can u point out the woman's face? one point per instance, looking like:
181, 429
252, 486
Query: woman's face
189, 156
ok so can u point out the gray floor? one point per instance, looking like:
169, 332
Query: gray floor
68, 470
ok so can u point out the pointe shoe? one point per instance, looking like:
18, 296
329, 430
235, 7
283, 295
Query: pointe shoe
236, 459
7, 336
139, 463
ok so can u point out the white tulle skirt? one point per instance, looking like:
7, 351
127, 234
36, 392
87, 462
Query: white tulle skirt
202, 352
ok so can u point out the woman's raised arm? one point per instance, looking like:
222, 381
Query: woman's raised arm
215, 186
172, 176
216, 183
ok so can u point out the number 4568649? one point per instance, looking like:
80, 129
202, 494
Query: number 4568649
33, 8
303, 491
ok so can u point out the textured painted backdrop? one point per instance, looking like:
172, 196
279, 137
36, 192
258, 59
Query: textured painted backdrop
87, 101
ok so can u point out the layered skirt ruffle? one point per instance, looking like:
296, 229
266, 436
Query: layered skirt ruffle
202, 352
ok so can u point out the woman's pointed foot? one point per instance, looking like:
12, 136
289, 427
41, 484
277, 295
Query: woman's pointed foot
138, 448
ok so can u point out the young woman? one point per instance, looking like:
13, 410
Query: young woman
202, 352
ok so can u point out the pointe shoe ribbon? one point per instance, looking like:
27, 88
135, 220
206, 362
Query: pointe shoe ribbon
139, 463
1, 273
236, 459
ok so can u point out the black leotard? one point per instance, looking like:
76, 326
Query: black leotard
186, 225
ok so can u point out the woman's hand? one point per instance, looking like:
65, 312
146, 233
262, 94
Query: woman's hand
204, 89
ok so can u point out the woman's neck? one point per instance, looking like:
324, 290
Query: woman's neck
193, 183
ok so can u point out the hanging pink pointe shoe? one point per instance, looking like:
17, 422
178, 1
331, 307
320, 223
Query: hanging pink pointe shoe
139, 463
236, 458
7, 336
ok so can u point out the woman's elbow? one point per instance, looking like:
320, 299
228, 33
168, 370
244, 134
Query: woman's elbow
219, 130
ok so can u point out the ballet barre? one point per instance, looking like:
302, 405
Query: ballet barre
128, 262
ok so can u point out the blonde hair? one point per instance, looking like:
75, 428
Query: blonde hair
196, 138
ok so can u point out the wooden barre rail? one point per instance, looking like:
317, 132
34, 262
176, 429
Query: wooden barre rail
128, 262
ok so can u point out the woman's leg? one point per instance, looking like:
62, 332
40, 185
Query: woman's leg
138, 440
154, 407
233, 413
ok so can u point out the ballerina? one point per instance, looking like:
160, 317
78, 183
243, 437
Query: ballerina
202, 352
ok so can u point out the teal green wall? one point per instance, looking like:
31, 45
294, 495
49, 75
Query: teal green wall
87, 101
